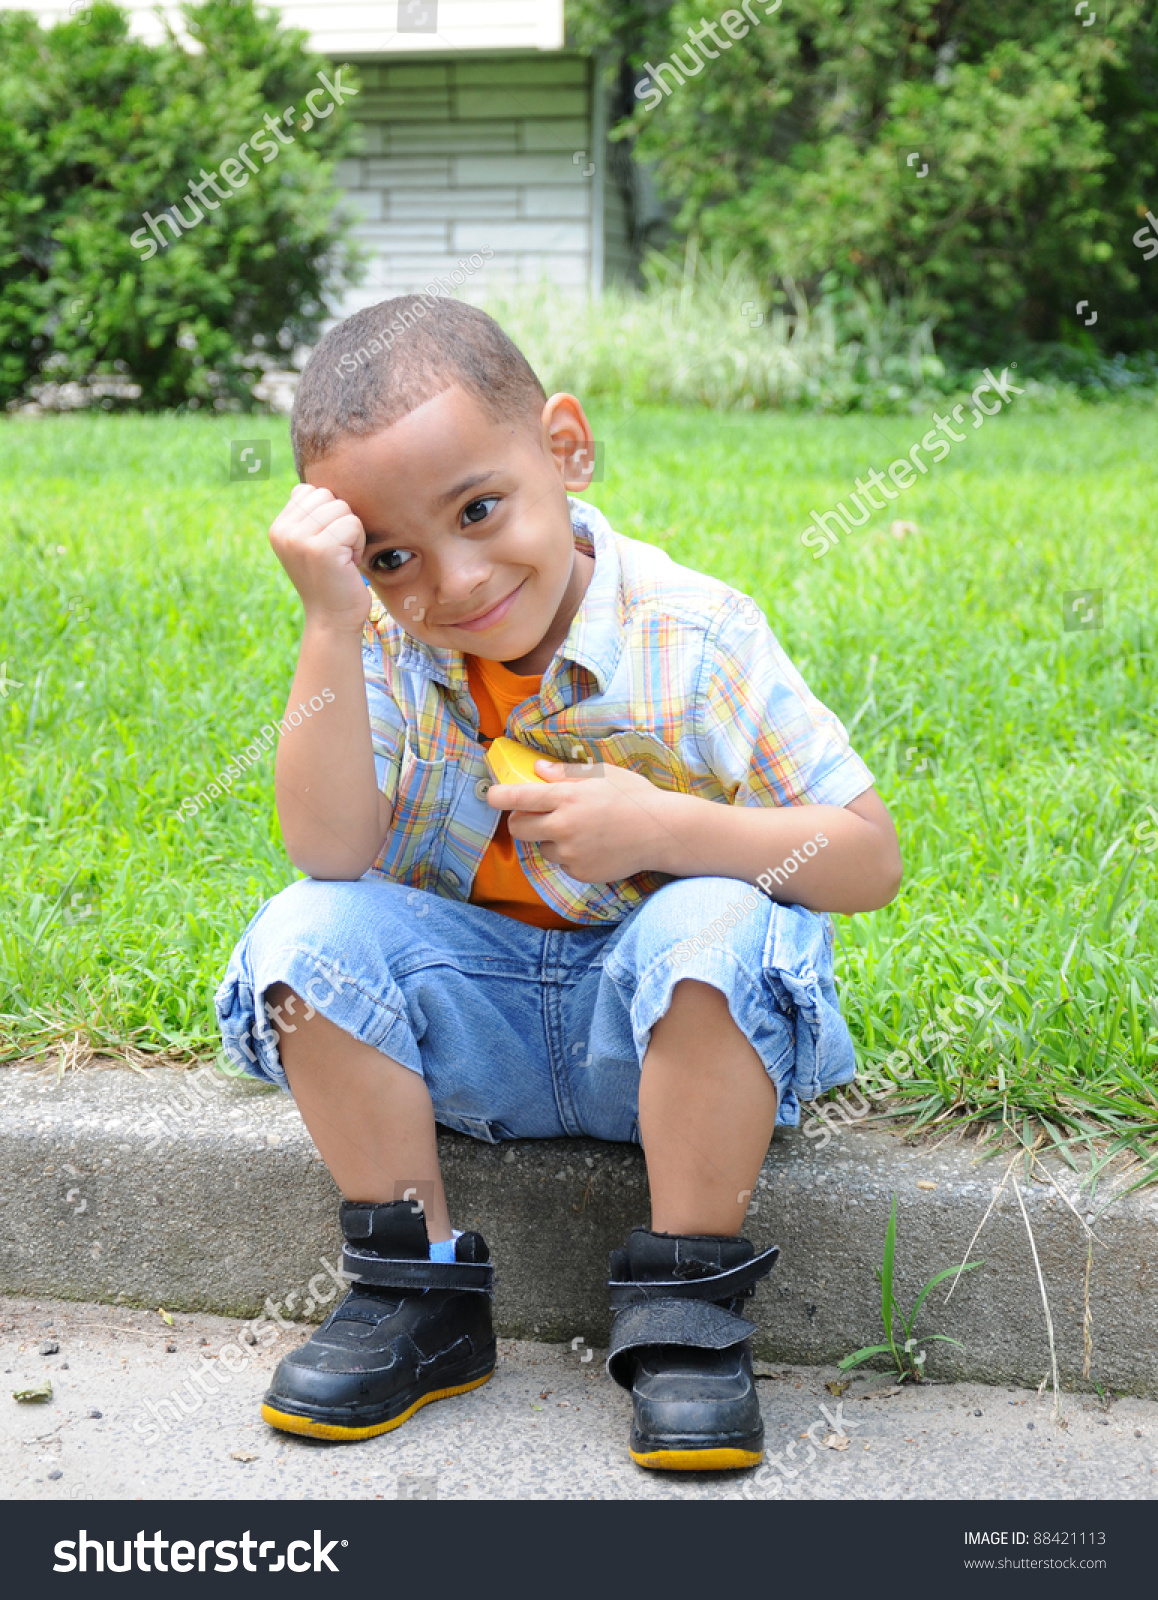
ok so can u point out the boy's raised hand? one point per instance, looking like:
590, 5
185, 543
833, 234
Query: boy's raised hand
598, 822
319, 541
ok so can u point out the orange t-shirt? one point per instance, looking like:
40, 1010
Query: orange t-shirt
500, 883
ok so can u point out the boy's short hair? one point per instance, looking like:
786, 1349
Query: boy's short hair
386, 360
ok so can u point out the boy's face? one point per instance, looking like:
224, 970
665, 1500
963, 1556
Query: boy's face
468, 533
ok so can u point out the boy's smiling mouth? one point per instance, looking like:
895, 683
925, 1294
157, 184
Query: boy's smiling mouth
489, 619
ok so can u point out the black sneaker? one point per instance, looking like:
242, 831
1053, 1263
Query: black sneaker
412, 1330
679, 1345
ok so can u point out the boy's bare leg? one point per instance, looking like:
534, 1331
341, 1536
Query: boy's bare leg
370, 1117
706, 1113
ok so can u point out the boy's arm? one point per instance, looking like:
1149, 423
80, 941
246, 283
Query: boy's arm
601, 823
804, 822
333, 816
826, 858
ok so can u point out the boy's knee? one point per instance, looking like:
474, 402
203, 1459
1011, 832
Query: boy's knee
311, 903
320, 935
710, 913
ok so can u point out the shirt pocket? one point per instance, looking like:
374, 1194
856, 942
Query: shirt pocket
641, 753
410, 853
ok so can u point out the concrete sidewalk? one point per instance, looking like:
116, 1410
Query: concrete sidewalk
194, 1192
550, 1424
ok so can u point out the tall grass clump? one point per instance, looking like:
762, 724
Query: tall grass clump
706, 332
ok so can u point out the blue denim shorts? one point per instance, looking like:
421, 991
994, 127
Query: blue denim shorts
522, 1033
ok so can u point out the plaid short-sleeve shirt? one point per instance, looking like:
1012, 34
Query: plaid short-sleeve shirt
664, 670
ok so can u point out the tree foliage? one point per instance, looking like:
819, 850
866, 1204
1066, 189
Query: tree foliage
97, 128
1040, 133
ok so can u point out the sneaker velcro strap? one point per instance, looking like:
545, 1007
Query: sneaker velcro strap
385, 1272
728, 1285
695, 1323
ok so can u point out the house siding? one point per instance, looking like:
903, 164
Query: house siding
466, 156
346, 28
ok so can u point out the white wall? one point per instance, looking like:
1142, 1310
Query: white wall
465, 155
359, 27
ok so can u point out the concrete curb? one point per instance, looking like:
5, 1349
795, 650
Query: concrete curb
194, 1192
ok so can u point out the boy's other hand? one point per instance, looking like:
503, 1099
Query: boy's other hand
598, 822
319, 541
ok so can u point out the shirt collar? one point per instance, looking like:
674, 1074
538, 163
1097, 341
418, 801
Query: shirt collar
594, 639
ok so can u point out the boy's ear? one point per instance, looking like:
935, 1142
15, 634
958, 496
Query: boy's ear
567, 434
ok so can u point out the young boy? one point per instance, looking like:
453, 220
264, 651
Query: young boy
584, 953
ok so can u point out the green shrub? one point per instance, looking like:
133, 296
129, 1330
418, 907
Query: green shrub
97, 129
792, 145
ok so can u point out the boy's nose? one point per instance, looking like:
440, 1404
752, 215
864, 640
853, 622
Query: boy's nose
457, 589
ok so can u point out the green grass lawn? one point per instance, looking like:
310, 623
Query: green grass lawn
148, 634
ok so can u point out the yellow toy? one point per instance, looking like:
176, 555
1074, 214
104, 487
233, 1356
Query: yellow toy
511, 762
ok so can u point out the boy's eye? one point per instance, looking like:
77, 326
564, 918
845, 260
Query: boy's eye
389, 560
478, 510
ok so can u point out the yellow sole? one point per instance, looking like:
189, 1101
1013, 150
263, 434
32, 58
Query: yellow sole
698, 1460
330, 1430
